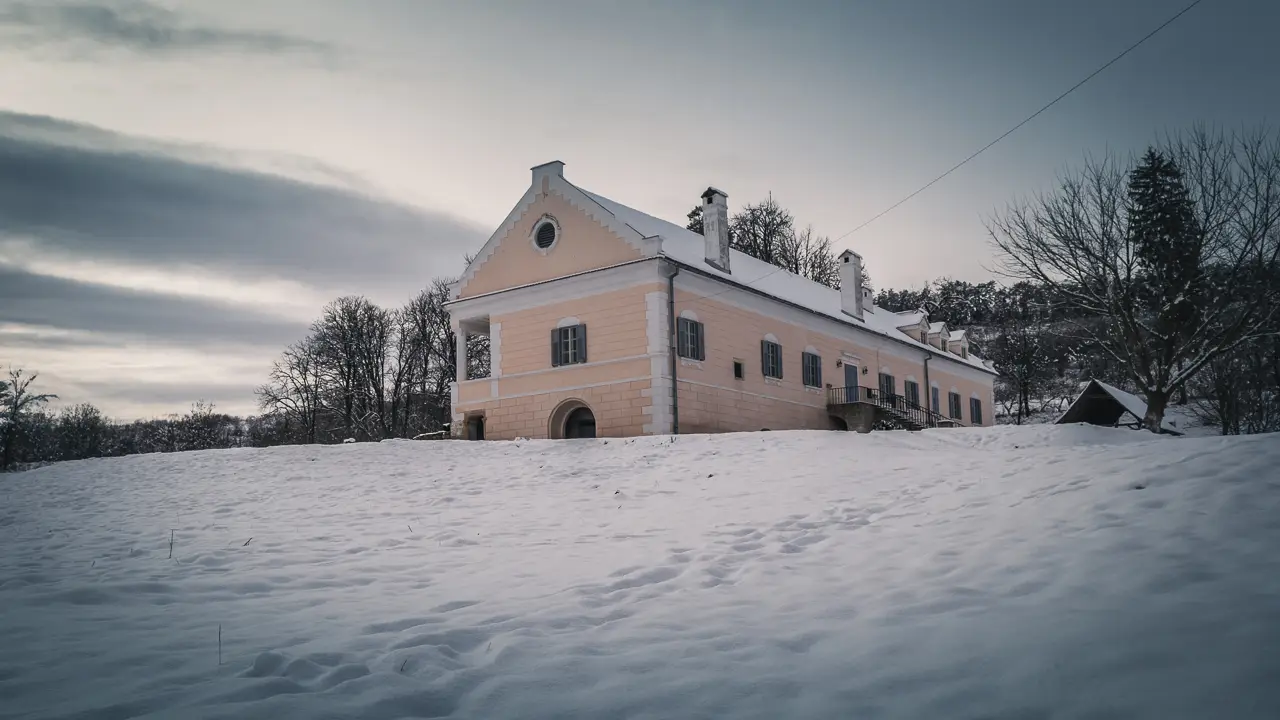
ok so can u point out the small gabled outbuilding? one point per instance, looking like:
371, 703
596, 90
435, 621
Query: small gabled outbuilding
1103, 404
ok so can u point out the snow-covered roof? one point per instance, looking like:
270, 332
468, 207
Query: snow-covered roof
689, 248
910, 318
957, 335
1132, 404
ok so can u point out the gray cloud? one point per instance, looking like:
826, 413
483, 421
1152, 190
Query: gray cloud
233, 397
25, 339
122, 315
136, 25
96, 194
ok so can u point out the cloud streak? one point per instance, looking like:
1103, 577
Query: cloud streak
139, 26
91, 194
132, 271
29, 299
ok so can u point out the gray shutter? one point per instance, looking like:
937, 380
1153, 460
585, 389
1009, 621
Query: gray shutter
702, 345
779, 353
582, 343
555, 347
817, 371
764, 358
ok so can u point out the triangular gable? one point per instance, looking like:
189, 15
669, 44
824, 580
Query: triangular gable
594, 238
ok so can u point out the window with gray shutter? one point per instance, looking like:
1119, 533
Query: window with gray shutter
936, 400
953, 399
569, 345
975, 411
911, 391
811, 369
888, 386
771, 359
689, 339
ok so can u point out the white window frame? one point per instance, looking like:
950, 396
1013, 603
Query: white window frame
906, 394
571, 345
893, 385
533, 234
811, 369
771, 359
691, 342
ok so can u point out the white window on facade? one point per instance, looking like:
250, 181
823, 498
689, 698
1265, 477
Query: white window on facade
771, 359
811, 369
569, 345
690, 339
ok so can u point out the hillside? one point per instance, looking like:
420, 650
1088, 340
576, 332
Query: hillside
1016, 573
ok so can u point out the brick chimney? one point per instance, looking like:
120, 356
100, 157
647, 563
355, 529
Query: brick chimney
715, 228
852, 298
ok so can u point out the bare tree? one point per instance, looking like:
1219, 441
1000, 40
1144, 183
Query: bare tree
294, 389
1239, 391
762, 230
375, 339
352, 337
808, 255
1020, 351
766, 231
1083, 244
366, 371
16, 402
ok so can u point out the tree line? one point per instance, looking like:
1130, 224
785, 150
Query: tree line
362, 372
371, 373
30, 434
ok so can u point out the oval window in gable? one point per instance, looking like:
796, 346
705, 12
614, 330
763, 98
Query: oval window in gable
545, 236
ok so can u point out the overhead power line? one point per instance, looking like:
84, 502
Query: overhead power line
989, 145
1028, 119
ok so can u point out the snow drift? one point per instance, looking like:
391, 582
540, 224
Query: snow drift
1015, 573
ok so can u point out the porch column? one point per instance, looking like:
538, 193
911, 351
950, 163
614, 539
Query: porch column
461, 334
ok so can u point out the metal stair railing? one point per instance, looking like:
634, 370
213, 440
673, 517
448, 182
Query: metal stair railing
897, 405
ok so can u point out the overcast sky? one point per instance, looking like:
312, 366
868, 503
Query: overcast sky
184, 183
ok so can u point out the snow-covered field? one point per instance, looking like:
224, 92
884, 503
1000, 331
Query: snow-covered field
1007, 573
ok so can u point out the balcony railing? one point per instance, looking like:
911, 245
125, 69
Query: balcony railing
898, 405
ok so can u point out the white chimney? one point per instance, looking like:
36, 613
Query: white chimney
715, 228
543, 173
852, 294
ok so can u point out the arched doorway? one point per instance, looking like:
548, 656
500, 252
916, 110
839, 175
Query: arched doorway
581, 423
837, 423
572, 419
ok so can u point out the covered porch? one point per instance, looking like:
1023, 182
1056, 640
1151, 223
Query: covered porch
475, 359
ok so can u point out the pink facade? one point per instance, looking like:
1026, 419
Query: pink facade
574, 293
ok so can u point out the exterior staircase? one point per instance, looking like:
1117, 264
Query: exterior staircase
864, 409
